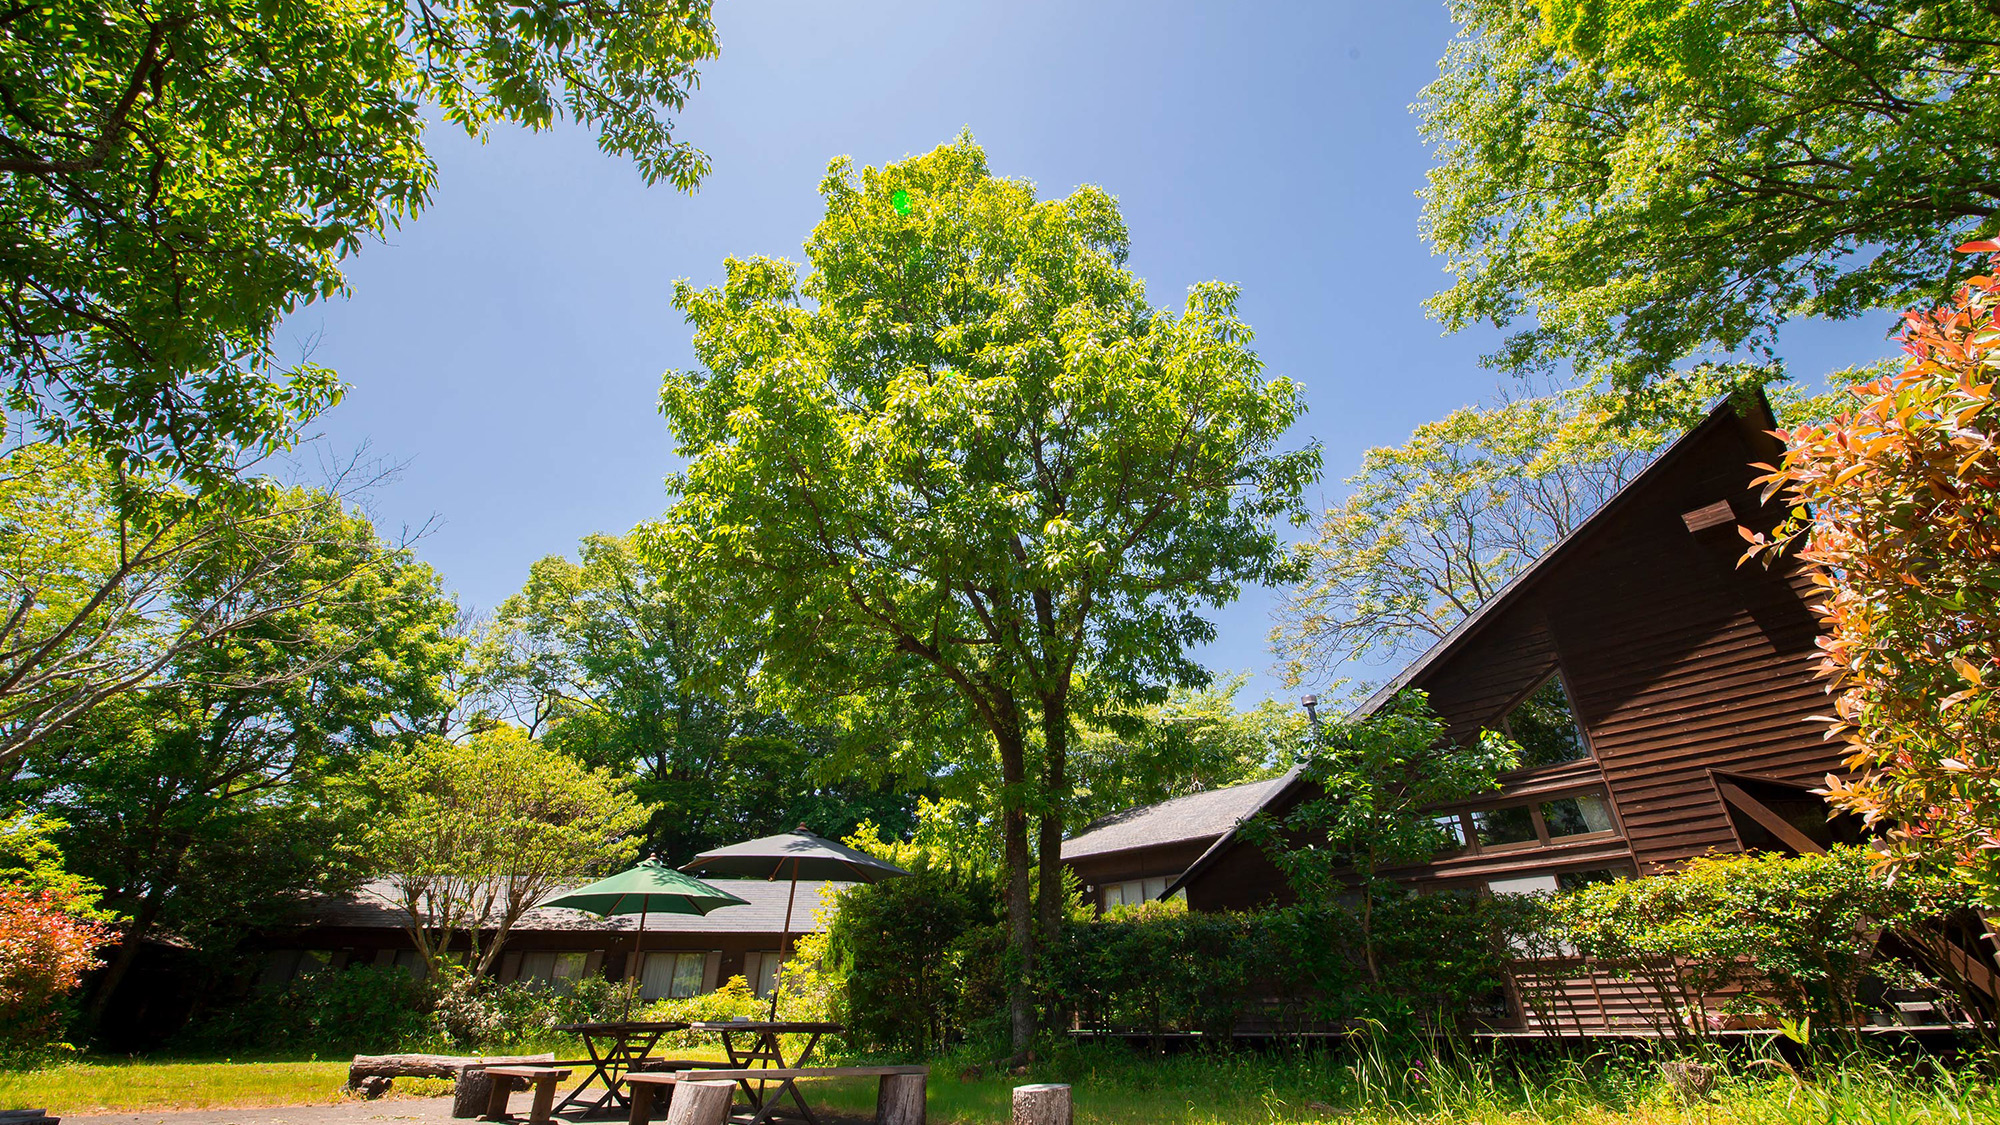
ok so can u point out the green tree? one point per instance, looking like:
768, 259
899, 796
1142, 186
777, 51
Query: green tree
175, 177
1437, 525
964, 463
1372, 779
1648, 181
474, 834
200, 804
612, 660
1193, 741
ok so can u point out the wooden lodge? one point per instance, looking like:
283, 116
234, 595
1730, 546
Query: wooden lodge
1663, 696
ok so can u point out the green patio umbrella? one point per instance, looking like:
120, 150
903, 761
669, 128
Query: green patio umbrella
651, 887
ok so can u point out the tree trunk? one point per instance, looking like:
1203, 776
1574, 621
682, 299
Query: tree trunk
129, 945
700, 1103
900, 1100
1055, 778
1042, 1104
1020, 910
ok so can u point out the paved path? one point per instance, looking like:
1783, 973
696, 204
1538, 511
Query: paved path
388, 1111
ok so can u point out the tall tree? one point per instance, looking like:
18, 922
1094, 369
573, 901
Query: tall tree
962, 457
115, 581
200, 803
1645, 181
176, 176
1435, 526
612, 659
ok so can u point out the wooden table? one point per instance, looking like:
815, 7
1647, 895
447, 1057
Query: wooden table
754, 1044
613, 1048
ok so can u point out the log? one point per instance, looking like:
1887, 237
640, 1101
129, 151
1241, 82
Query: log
428, 1066
900, 1100
700, 1103
1044, 1103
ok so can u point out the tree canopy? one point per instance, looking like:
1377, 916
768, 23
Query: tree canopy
1644, 182
963, 458
175, 177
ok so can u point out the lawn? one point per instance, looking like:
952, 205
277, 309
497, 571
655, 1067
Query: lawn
1115, 1088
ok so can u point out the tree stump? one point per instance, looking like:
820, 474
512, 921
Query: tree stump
900, 1101
700, 1103
471, 1092
1045, 1103
373, 1086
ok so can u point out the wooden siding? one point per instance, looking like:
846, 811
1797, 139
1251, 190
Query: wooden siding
1677, 662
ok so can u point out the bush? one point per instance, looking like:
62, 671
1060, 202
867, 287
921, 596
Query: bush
44, 951
1783, 937
908, 951
362, 1010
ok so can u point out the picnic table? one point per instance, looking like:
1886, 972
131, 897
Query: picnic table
755, 1044
614, 1048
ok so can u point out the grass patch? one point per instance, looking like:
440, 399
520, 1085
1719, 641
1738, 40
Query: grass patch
139, 1085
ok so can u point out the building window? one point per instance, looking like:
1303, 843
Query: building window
762, 969
551, 970
1508, 827
1544, 726
1576, 816
1580, 816
1572, 880
674, 975
1451, 829
1132, 892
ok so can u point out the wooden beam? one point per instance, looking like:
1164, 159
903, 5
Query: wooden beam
1773, 823
1710, 515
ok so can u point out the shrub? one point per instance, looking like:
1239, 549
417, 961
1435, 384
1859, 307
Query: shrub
905, 951
1783, 937
366, 1009
1897, 509
44, 951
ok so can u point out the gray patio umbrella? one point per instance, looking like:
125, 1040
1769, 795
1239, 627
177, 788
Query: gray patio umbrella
650, 887
794, 855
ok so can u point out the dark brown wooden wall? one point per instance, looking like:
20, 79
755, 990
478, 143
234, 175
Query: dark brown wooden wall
1678, 662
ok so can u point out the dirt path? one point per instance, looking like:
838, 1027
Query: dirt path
394, 1111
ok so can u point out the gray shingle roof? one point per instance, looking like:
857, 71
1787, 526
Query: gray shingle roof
376, 906
1198, 816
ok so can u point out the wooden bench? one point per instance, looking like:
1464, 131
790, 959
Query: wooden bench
544, 1079
899, 1099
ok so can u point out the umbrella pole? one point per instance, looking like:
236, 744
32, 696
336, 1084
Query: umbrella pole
784, 943
637, 940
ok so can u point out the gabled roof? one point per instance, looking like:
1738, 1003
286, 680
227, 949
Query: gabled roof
376, 906
1198, 816
1721, 412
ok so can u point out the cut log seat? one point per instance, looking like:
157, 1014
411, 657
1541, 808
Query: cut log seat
543, 1078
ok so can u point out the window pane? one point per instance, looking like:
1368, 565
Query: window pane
656, 978
1451, 832
687, 974
537, 968
1574, 816
1545, 727
1523, 885
767, 973
1511, 825
1571, 880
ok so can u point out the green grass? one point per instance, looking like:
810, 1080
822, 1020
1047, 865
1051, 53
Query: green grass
138, 1085
1116, 1087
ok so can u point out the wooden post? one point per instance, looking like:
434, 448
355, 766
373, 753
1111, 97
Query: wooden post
700, 1103
545, 1100
498, 1087
900, 1100
1045, 1103
641, 1095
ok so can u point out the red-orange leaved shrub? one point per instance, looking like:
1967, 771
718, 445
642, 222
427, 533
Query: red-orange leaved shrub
44, 952
1896, 509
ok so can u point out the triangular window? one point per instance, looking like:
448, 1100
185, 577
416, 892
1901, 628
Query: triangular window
1545, 727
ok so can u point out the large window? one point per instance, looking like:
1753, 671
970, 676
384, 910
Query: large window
1544, 725
551, 969
675, 975
1132, 892
1576, 816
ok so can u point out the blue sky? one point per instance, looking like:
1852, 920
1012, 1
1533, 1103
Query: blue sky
508, 345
